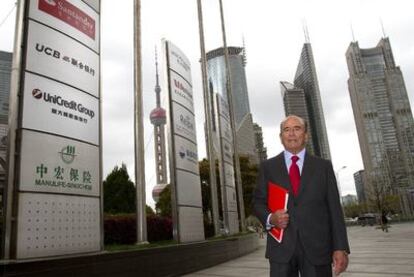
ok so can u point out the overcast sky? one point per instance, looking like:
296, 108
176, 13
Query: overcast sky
273, 35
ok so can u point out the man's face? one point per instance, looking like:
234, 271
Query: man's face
293, 135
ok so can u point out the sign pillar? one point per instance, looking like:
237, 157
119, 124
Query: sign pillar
56, 140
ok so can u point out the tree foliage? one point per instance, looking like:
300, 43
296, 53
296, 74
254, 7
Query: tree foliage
163, 206
119, 192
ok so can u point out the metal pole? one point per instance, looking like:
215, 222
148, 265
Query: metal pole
207, 112
233, 124
139, 129
13, 128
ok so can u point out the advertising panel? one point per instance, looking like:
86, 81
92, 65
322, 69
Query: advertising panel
59, 57
231, 199
229, 175
191, 219
51, 225
58, 165
184, 123
188, 189
74, 18
56, 108
179, 62
182, 92
223, 107
186, 155
188, 221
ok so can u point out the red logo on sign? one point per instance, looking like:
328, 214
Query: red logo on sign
69, 14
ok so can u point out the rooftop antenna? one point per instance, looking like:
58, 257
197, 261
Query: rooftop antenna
382, 28
305, 31
244, 57
352, 32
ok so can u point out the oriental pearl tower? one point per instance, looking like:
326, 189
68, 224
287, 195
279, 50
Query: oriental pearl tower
158, 119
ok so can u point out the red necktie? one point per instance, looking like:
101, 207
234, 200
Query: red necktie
294, 175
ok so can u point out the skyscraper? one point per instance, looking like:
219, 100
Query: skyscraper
384, 121
216, 68
5, 78
158, 119
306, 79
260, 148
359, 178
294, 101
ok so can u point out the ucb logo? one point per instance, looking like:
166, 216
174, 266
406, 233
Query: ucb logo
37, 93
48, 51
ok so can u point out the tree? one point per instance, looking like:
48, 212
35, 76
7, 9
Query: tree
163, 206
249, 177
119, 192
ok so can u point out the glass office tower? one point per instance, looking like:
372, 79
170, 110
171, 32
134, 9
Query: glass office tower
384, 121
306, 79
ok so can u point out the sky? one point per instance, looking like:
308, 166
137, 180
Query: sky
272, 32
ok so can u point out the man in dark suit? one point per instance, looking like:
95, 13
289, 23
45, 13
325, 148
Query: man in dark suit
315, 235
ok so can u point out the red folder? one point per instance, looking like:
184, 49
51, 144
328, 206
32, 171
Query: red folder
277, 199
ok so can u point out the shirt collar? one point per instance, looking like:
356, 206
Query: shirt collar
301, 155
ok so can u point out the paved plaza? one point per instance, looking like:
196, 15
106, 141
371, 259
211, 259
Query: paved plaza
373, 253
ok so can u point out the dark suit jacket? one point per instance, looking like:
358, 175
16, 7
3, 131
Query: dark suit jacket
315, 215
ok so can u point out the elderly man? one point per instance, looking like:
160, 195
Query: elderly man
314, 235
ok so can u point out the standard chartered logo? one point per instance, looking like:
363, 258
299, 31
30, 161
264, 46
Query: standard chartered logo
58, 100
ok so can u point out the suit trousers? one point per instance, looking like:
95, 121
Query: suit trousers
299, 264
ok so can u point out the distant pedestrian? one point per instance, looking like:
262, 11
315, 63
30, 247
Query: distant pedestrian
384, 222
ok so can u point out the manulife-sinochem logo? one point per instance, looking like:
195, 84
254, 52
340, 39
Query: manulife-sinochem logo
68, 154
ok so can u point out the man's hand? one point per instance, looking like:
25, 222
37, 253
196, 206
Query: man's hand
340, 261
280, 219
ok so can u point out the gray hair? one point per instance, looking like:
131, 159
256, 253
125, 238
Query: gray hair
300, 119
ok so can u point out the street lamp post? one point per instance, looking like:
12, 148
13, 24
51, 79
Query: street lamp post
338, 183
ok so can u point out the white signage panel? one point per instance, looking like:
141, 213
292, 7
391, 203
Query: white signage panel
223, 107
181, 91
225, 128
191, 224
58, 165
57, 56
229, 175
186, 156
94, 4
59, 109
188, 189
71, 17
184, 122
179, 62
231, 199
52, 224
227, 152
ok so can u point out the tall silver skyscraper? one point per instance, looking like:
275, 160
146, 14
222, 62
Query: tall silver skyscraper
5, 78
306, 79
216, 68
158, 119
294, 101
384, 121
260, 148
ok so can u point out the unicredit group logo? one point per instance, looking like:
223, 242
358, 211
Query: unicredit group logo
60, 101
37, 93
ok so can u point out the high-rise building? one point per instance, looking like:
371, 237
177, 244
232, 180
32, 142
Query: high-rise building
5, 79
260, 148
306, 79
384, 121
158, 119
294, 101
217, 78
359, 179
